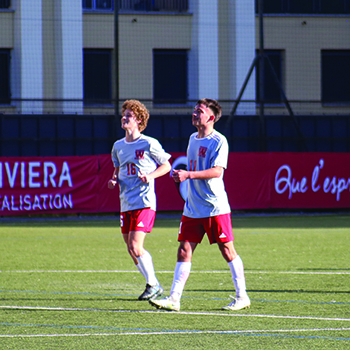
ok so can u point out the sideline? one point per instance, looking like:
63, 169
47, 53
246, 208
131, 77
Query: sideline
173, 215
139, 331
159, 312
167, 333
171, 272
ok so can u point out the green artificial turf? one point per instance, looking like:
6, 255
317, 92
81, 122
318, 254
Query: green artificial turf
70, 284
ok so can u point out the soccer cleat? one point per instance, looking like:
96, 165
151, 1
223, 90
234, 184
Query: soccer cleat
166, 304
238, 304
151, 292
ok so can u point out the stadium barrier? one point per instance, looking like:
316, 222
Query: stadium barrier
82, 135
78, 184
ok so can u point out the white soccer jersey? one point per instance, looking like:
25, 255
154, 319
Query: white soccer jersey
143, 154
206, 197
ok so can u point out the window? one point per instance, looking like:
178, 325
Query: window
335, 70
334, 6
5, 4
272, 93
97, 77
170, 76
154, 5
98, 4
271, 6
301, 6
305, 6
5, 77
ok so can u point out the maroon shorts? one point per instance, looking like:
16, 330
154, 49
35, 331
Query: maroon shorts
137, 220
218, 229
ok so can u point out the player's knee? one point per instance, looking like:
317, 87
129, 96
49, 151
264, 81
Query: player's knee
228, 253
130, 251
183, 254
229, 257
135, 250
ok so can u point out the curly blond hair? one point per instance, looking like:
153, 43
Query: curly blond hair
140, 111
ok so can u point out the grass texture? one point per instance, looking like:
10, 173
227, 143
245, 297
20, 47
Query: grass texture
70, 284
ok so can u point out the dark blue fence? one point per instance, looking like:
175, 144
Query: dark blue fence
68, 135
55, 135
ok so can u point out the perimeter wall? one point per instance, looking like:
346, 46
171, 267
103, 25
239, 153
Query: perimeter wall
78, 184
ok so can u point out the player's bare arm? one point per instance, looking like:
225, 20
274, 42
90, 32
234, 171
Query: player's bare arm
182, 175
114, 180
160, 171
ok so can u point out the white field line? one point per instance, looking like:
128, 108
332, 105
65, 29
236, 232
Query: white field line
259, 331
165, 272
172, 313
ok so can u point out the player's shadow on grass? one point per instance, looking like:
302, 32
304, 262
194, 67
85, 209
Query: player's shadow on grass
68, 300
299, 271
271, 291
299, 291
127, 299
325, 270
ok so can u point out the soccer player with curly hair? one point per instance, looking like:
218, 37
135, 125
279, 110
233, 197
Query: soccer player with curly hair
138, 160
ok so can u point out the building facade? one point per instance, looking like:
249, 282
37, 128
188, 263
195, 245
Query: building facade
77, 57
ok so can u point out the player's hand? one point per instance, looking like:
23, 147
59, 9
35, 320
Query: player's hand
112, 184
180, 175
143, 177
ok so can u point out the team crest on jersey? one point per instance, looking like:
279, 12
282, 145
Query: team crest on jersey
202, 151
139, 153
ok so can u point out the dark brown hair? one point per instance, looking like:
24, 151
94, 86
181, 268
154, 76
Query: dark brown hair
213, 105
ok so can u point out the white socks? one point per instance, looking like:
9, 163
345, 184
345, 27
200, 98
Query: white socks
145, 266
140, 269
182, 271
237, 272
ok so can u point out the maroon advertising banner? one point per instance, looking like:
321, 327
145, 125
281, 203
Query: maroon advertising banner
288, 180
41, 185
53, 185
310, 180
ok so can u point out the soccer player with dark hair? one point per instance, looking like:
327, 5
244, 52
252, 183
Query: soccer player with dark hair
207, 210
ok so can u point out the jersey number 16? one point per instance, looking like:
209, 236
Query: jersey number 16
132, 169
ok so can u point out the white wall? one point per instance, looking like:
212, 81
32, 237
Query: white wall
204, 53
27, 58
242, 51
69, 53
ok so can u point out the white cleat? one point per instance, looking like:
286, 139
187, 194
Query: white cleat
166, 304
238, 304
